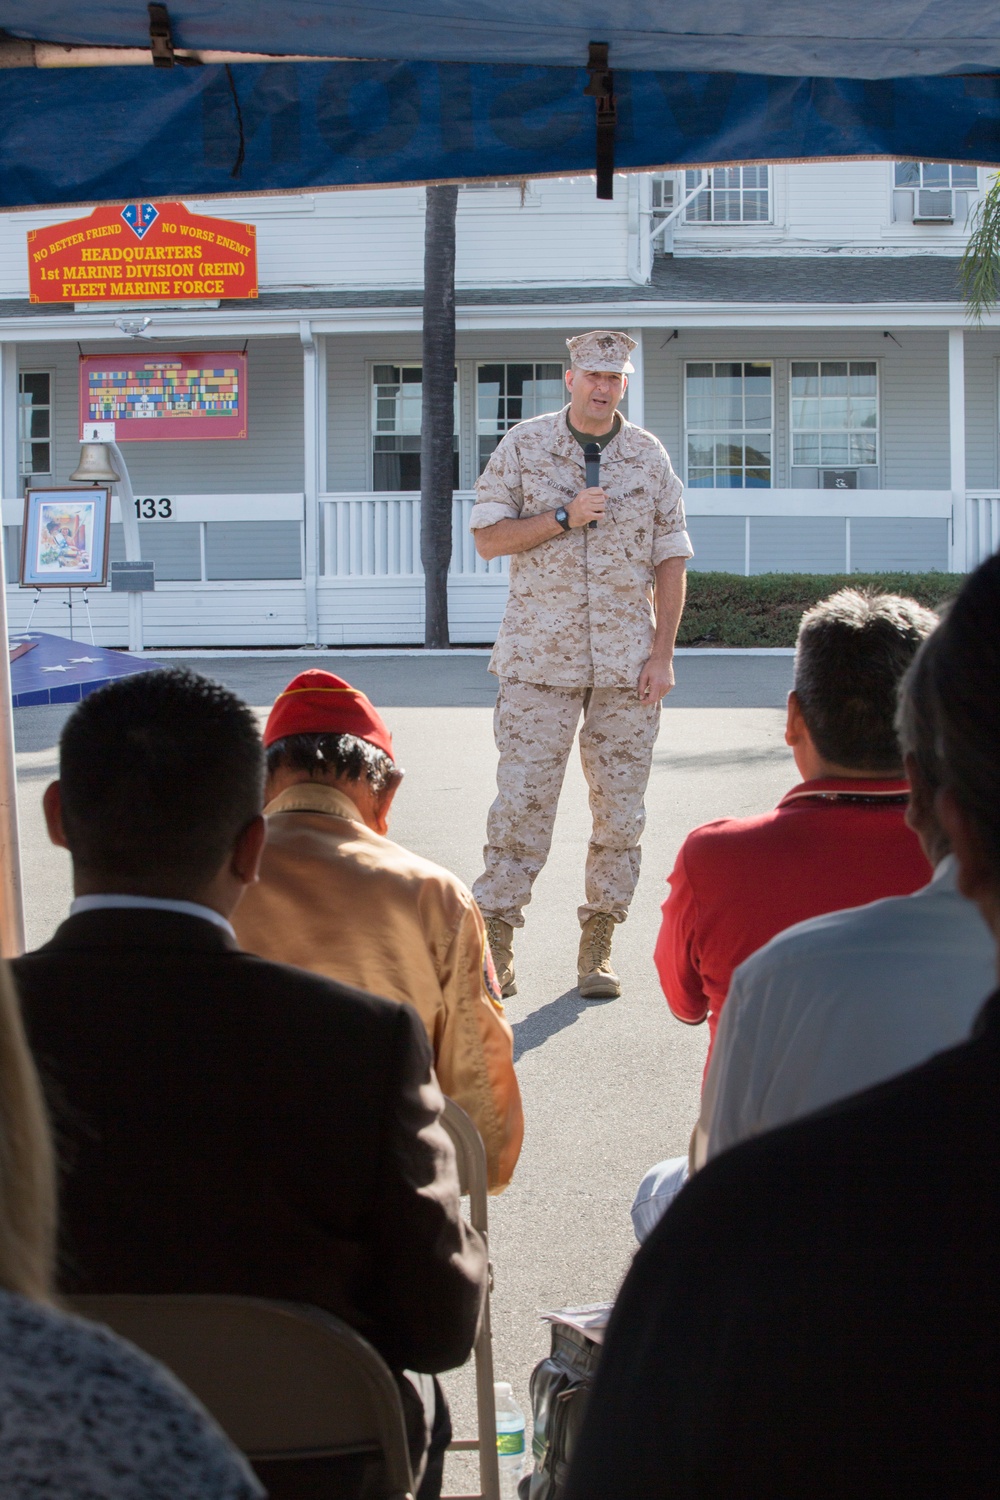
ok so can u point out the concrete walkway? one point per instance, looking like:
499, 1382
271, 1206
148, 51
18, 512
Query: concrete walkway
608, 1087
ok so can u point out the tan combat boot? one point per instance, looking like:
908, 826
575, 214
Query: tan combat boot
500, 936
597, 979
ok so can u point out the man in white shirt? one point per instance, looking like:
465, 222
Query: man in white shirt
843, 1001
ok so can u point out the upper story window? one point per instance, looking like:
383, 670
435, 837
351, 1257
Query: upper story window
506, 394
491, 184
731, 195
729, 415
397, 396
34, 422
933, 192
834, 413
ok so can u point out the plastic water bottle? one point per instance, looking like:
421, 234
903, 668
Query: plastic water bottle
510, 1439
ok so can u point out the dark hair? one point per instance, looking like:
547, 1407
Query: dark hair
965, 692
159, 774
340, 754
852, 650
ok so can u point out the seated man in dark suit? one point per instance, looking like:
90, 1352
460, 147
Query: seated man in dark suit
818, 1314
227, 1124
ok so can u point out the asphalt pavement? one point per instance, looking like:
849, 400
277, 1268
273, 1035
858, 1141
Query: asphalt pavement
609, 1087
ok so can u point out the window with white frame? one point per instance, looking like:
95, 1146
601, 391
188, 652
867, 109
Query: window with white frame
397, 396
34, 422
834, 413
729, 195
509, 393
933, 192
729, 418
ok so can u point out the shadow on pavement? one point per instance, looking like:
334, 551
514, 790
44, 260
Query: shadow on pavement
536, 1029
437, 682
716, 760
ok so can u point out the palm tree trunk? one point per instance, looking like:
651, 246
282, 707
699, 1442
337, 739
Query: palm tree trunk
438, 409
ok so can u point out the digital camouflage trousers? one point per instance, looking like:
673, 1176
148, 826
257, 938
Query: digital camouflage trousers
534, 726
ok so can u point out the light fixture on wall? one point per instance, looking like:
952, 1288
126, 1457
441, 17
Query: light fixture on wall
134, 328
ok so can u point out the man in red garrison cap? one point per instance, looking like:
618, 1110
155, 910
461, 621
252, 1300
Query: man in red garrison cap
337, 896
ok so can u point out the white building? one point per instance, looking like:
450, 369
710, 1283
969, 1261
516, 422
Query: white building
803, 353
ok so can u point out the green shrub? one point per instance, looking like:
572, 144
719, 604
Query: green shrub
726, 609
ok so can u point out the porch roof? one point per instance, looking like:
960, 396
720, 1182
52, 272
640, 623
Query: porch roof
824, 290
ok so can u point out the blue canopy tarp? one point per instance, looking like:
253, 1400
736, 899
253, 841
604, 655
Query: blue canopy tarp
491, 90
109, 134
786, 38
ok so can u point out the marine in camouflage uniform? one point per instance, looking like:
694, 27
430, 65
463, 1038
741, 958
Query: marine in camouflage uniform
576, 638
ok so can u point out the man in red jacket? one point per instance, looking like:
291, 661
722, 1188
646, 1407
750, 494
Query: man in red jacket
838, 839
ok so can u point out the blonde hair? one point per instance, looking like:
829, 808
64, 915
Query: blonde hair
27, 1166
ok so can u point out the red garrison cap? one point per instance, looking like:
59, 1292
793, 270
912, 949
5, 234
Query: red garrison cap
319, 703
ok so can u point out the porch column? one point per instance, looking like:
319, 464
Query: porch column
9, 477
11, 896
311, 427
637, 382
956, 427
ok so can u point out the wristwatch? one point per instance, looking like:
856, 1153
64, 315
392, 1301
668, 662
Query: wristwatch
562, 516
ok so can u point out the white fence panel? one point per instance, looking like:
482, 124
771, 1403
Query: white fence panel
982, 525
377, 535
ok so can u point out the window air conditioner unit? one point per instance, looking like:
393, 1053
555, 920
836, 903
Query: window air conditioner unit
934, 206
838, 479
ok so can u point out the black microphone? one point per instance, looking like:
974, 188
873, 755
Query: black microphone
592, 466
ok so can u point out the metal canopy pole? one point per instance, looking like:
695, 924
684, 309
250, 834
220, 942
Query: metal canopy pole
11, 889
11, 892
133, 552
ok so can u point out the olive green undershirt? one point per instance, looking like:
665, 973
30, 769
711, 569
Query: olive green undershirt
583, 438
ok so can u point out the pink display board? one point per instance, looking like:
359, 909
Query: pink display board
160, 397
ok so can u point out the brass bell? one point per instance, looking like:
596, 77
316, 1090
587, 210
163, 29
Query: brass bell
95, 466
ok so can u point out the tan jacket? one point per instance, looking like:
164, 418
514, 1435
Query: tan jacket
339, 899
579, 613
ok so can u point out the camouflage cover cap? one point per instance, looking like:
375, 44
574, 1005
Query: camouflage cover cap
602, 350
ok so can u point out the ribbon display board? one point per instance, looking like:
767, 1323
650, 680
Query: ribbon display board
144, 250
157, 397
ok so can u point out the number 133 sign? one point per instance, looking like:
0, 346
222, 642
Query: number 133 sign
155, 508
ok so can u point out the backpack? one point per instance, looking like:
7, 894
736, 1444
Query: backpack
559, 1388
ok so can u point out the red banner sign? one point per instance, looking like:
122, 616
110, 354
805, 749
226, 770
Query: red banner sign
144, 250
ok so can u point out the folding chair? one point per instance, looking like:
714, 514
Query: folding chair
471, 1154
290, 1385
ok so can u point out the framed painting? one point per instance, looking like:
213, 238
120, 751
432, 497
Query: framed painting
64, 540
158, 397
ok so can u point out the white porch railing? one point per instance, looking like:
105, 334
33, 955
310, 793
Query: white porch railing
378, 536
982, 526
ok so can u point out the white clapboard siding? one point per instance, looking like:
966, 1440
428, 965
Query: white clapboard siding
349, 362
559, 235
819, 531
822, 205
364, 612
913, 391
375, 237
269, 459
176, 614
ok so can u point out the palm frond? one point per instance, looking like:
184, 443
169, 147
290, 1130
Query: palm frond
979, 268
